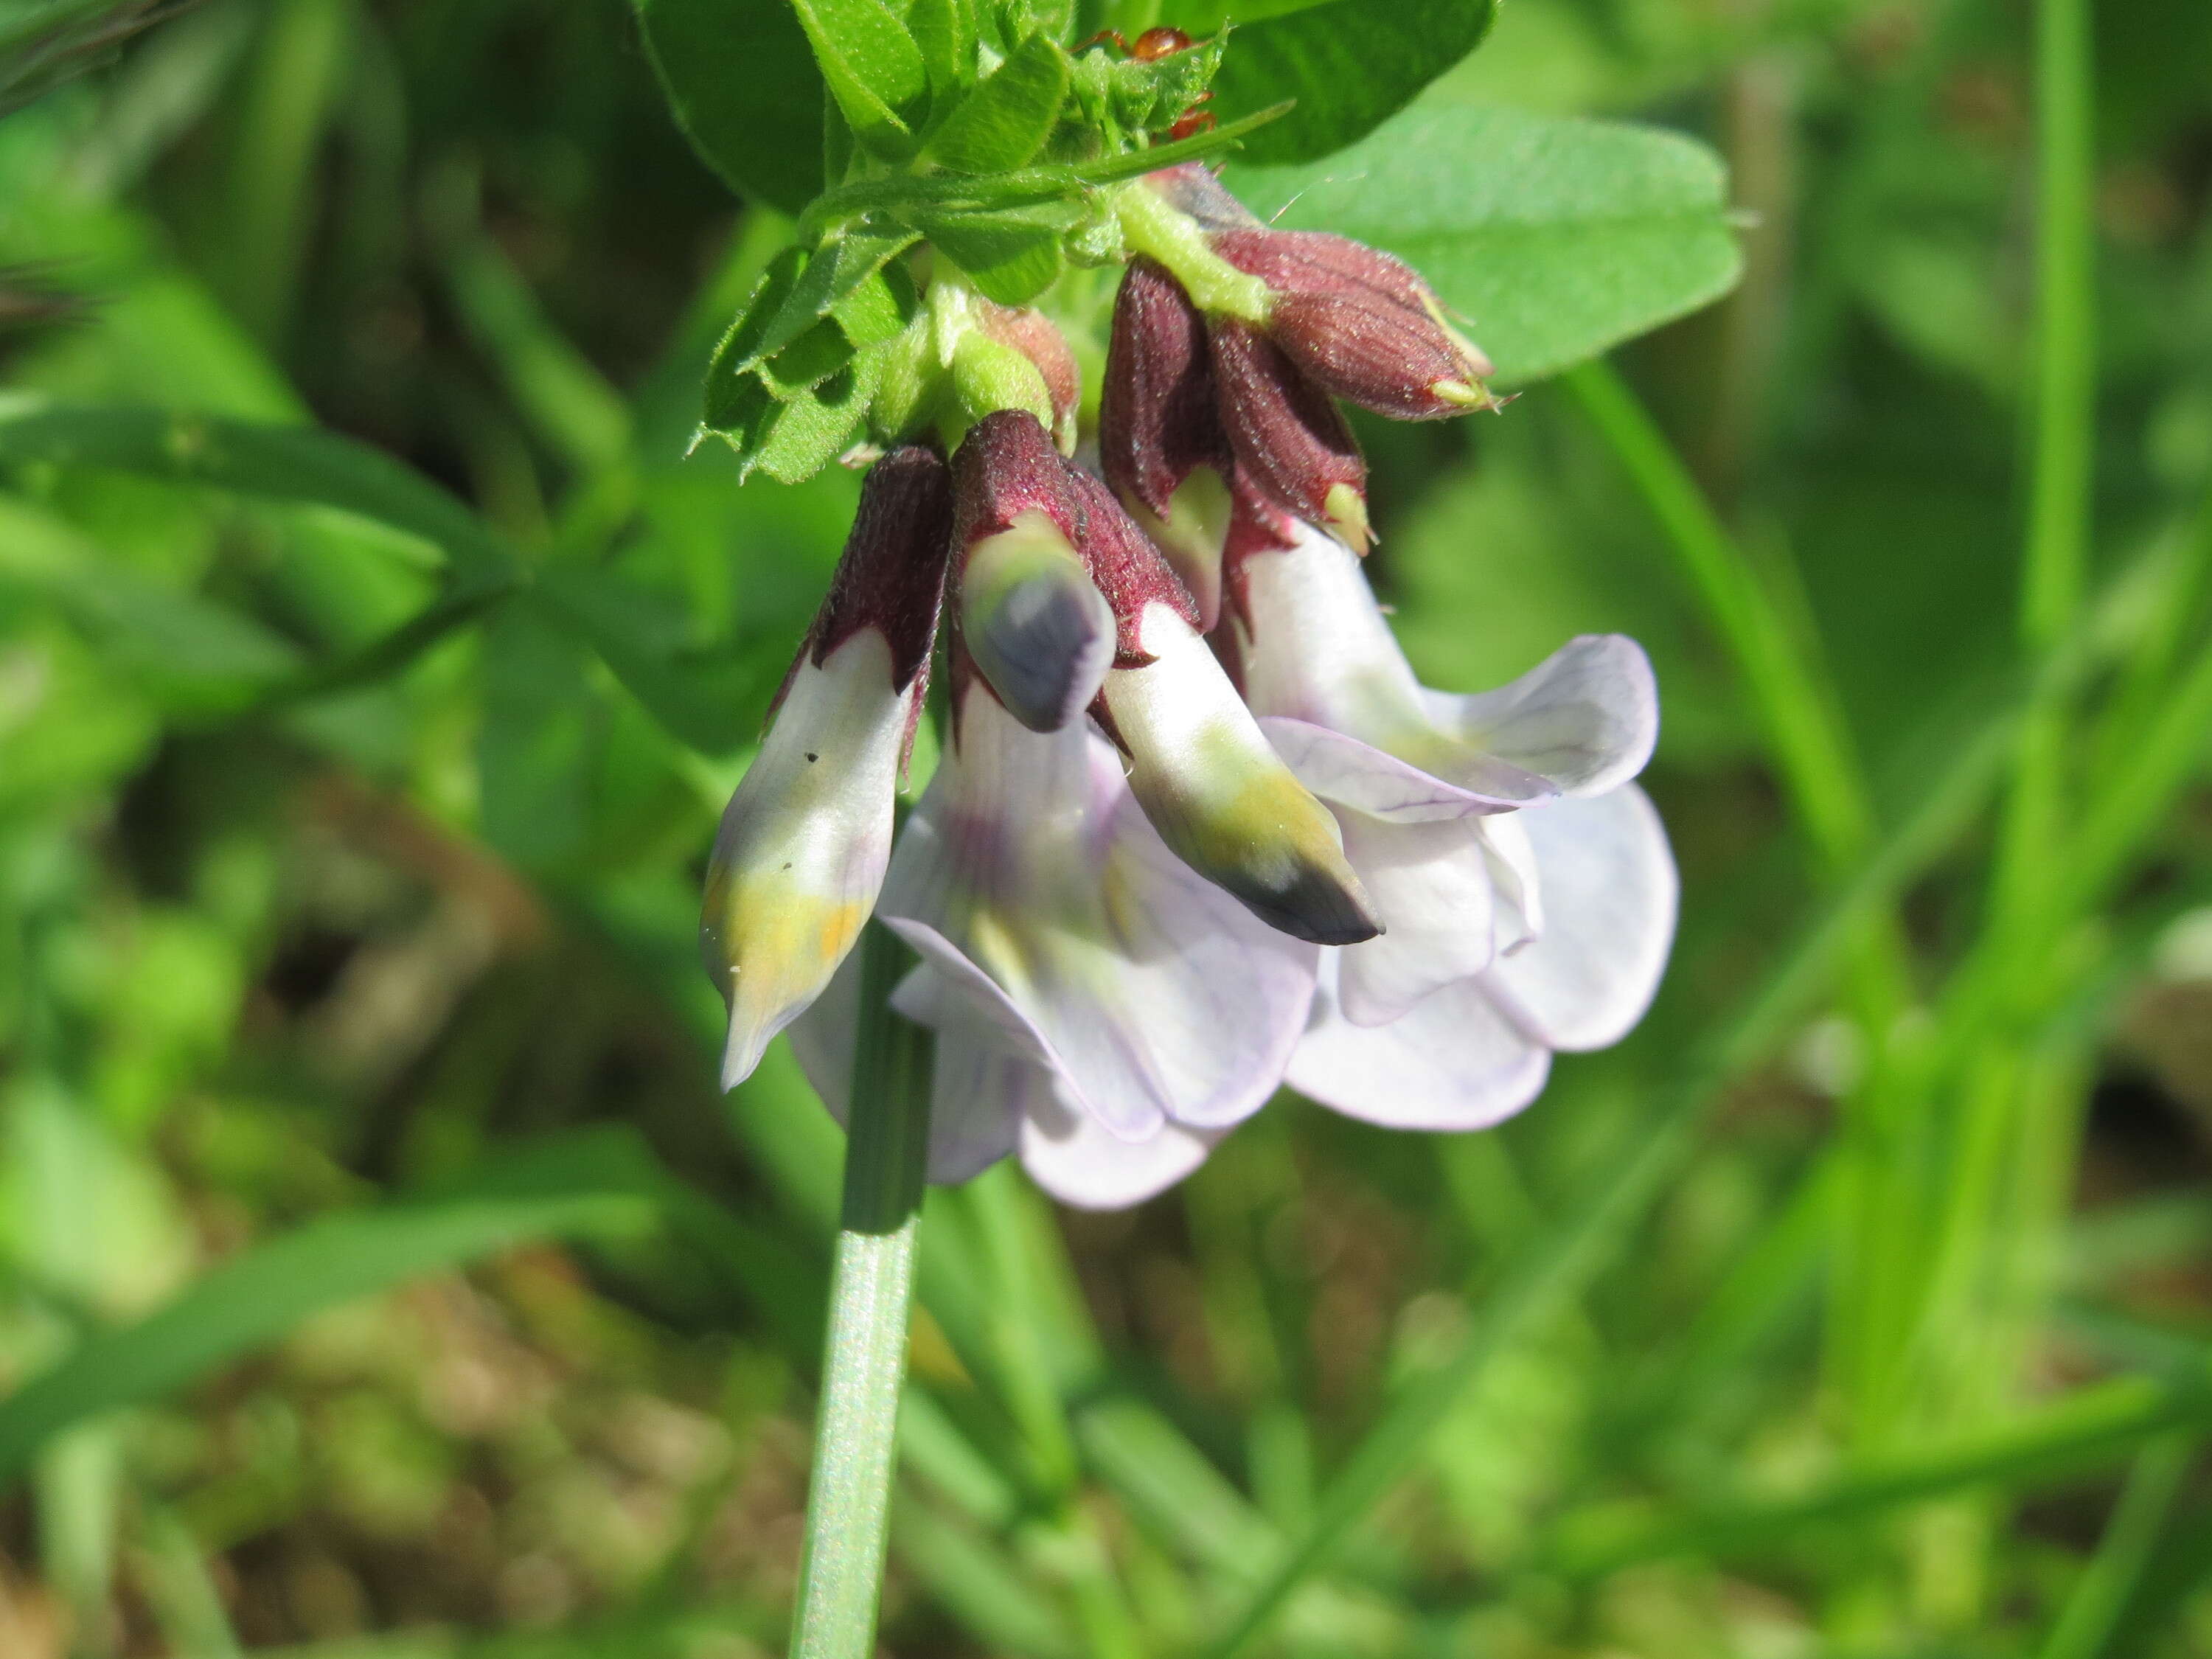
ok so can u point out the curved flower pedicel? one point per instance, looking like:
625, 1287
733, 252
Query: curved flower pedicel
1525, 884
804, 843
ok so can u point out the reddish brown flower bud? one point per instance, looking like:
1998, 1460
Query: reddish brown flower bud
1319, 262
1160, 439
1361, 323
1006, 466
1033, 334
1290, 441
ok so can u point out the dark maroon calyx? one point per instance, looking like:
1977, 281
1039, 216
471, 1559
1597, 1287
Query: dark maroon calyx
1319, 262
1395, 362
891, 575
1006, 466
1257, 527
1128, 569
1292, 446
1157, 417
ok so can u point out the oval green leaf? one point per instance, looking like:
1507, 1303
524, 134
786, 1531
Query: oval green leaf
761, 131
1554, 240
1351, 64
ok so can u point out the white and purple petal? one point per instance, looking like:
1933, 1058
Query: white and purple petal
1609, 893
1068, 1154
1585, 718
1431, 886
1452, 1061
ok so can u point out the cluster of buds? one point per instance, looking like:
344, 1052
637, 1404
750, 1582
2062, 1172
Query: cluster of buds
1226, 395
1196, 829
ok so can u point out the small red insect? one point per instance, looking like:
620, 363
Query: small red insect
1152, 45
1158, 43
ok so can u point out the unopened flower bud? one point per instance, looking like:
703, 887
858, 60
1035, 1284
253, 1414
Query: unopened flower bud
1205, 776
1361, 323
1291, 442
1033, 334
803, 843
989, 376
1029, 619
908, 384
1160, 439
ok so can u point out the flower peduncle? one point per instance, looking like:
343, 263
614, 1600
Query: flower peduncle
1154, 227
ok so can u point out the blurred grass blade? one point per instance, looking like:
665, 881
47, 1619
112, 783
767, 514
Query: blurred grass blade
1169, 1484
285, 464
579, 1185
2086, 1428
1000, 1604
1811, 749
48, 41
566, 401
187, 1603
2100, 1601
1555, 1261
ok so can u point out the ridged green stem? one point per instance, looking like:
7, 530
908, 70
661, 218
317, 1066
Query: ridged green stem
871, 1293
1160, 231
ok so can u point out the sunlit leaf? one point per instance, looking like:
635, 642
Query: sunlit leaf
872, 66
1552, 240
1351, 64
761, 131
1004, 123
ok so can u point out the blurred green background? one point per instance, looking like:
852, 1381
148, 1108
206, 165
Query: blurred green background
381, 1276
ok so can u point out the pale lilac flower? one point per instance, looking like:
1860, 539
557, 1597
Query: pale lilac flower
1098, 1006
1524, 883
1196, 829
803, 843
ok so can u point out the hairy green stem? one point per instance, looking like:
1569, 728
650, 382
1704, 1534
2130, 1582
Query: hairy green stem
871, 1293
1166, 234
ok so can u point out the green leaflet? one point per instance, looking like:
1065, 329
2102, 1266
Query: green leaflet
872, 66
1011, 255
796, 295
944, 33
1351, 64
1553, 240
761, 131
790, 384
1004, 123
792, 438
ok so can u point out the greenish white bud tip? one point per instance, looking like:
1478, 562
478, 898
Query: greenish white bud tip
1222, 798
1037, 628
